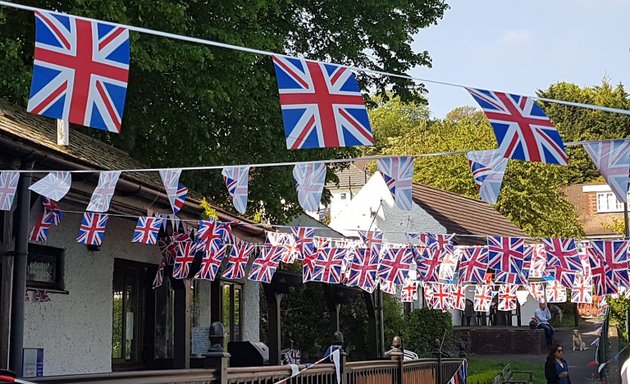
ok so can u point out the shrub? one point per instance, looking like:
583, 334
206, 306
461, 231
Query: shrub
618, 309
425, 325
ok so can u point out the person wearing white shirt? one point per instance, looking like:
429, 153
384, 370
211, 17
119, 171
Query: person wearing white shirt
542, 315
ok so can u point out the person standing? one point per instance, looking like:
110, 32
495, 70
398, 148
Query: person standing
556, 367
543, 316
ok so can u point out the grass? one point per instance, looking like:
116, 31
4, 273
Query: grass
482, 371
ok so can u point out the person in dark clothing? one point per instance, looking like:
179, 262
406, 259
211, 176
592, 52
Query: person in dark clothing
556, 368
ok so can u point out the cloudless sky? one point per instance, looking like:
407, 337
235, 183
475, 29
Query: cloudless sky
523, 46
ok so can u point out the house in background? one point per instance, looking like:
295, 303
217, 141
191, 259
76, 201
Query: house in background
434, 211
596, 205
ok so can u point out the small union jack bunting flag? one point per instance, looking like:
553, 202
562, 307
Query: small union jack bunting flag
609, 265
506, 256
441, 296
80, 71
395, 264
310, 179
211, 235
488, 168
327, 265
409, 291
102, 195
537, 290
521, 127
92, 229
473, 265
54, 186
8, 186
388, 287
556, 292
147, 230
563, 260
185, 256
39, 232
483, 298
236, 180
210, 264
238, 259
266, 264
582, 291
612, 158
322, 105
363, 268
458, 297
51, 207
304, 241
398, 174
159, 276
507, 297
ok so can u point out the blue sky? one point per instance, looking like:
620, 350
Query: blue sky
523, 46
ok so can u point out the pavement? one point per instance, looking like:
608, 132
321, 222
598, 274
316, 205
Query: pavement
582, 368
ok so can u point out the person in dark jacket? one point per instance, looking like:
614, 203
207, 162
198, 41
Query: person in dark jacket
556, 367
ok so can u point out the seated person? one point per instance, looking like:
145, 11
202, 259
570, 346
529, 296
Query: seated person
542, 316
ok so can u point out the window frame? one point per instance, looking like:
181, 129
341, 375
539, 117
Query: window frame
35, 250
605, 198
232, 316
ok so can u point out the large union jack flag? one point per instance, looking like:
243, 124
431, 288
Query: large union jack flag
147, 230
92, 229
488, 168
506, 256
210, 264
521, 127
80, 71
363, 269
473, 265
322, 106
612, 158
395, 264
266, 264
398, 174
326, 266
236, 180
238, 259
8, 186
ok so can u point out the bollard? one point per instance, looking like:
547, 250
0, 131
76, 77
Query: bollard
216, 358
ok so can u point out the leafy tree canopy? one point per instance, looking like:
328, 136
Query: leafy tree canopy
193, 105
530, 196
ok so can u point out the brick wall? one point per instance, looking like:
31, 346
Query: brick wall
586, 205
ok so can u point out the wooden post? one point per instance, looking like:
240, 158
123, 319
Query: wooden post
63, 132
183, 299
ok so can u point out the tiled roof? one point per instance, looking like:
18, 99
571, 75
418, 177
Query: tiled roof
356, 175
41, 133
463, 215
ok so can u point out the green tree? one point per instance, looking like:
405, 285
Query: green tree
190, 105
530, 196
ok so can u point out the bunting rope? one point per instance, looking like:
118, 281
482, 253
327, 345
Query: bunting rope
270, 53
278, 164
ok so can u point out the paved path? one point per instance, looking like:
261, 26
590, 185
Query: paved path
580, 369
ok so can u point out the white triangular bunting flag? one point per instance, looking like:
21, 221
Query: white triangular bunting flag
612, 158
310, 179
236, 180
104, 191
8, 186
487, 168
170, 179
398, 174
54, 185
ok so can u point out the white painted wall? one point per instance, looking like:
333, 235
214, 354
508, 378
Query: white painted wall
75, 330
359, 214
337, 203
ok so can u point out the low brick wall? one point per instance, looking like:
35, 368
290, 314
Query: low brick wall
500, 340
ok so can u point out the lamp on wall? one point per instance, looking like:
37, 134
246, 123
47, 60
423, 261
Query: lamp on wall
93, 248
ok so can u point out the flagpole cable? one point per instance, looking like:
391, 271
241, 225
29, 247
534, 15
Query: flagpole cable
279, 164
212, 43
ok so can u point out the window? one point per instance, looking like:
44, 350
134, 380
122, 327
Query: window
344, 195
607, 202
44, 268
232, 294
